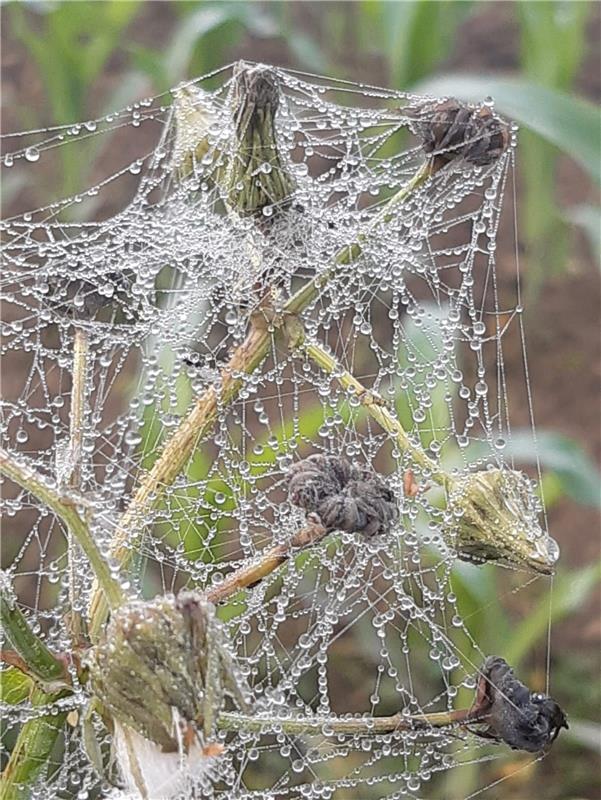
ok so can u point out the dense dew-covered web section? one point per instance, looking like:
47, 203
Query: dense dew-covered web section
130, 305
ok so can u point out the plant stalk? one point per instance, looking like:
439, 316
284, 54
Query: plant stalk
377, 409
335, 726
250, 574
76, 436
64, 507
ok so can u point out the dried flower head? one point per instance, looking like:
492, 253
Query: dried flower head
165, 662
493, 515
193, 118
513, 714
257, 180
452, 130
344, 496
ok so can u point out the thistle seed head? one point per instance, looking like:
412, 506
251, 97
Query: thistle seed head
152, 664
494, 514
344, 496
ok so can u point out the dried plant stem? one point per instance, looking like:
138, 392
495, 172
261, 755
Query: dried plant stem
81, 349
250, 574
64, 507
244, 360
377, 409
335, 726
76, 436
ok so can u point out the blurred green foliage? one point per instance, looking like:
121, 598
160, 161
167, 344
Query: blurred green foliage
72, 43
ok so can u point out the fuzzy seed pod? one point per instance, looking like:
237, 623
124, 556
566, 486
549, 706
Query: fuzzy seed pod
452, 130
344, 496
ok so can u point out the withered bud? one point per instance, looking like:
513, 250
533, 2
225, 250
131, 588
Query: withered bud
158, 661
258, 181
513, 714
344, 496
493, 514
452, 130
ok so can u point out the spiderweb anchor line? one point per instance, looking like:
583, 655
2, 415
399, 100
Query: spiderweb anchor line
268, 201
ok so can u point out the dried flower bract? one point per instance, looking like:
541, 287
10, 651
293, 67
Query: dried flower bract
513, 714
452, 130
163, 657
493, 515
344, 496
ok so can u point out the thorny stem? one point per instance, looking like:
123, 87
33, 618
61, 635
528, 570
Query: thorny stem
250, 574
334, 726
244, 361
64, 507
76, 435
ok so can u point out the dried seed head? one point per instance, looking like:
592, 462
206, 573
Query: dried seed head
257, 178
344, 496
452, 130
493, 514
152, 664
522, 719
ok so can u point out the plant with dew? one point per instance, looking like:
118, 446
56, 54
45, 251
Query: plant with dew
252, 237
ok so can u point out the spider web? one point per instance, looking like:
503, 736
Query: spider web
162, 292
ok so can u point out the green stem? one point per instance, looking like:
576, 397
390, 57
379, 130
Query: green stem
377, 409
64, 508
335, 726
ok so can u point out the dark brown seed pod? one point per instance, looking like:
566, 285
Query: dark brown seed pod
451, 130
344, 496
513, 714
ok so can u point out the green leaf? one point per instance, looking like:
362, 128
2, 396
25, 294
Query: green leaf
570, 591
30, 757
188, 35
417, 36
42, 664
579, 475
15, 686
586, 733
586, 217
570, 123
